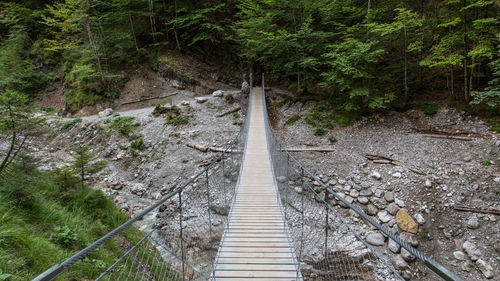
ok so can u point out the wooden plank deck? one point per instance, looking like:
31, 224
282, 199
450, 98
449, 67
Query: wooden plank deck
255, 244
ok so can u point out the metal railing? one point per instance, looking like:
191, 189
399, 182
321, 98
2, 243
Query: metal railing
183, 239
327, 246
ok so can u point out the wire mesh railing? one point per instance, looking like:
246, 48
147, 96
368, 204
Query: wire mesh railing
327, 246
182, 242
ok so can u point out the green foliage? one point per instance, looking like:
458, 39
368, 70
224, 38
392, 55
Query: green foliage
229, 98
236, 115
138, 143
429, 109
65, 178
491, 95
319, 131
292, 120
54, 225
69, 124
332, 139
64, 236
486, 162
124, 125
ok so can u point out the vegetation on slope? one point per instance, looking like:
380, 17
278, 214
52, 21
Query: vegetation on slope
46, 217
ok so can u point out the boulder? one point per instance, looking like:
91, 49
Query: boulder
106, 112
201, 99
405, 221
245, 88
218, 94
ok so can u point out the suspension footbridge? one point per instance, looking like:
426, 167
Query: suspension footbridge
252, 214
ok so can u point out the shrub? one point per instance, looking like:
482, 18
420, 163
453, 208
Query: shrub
292, 120
429, 109
486, 162
65, 178
124, 125
69, 124
64, 236
229, 98
332, 138
138, 143
319, 131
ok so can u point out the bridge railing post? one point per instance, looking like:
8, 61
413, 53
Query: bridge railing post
326, 234
224, 179
181, 236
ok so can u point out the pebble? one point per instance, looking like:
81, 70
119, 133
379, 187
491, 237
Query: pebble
366, 192
384, 216
376, 175
399, 263
393, 246
485, 268
354, 193
389, 196
420, 219
371, 210
281, 179
409, 238
379, 193
375, 239
471, 250
392, 209
473, 222
397, 175
459, 255
363, 200
407, 256
428, 183
399, 202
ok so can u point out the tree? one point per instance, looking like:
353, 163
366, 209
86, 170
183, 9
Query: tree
84, 162
16, 121
405, 25
490, 95
352, 69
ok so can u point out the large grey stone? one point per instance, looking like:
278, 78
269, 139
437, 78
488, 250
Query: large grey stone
485, 268
218, 93
473, 222
201, 99
106, 112
471, 250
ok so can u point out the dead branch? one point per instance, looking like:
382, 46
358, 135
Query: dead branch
380, 159
150, 98
307, 149
446, 137
228, 112
211, 149
474, 210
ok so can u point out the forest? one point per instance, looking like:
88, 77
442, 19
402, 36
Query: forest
364, 55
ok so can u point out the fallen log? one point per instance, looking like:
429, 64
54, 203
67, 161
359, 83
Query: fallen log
475, 210
211, 149
228, 112
308, 149
380, 159
150, 98
446, 137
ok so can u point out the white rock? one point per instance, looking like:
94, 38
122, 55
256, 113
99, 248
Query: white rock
473, 222
389, 196
376, 175
471, 250
218, 93
485, 268
363, 200
375, 239
245, 88
459, 255
384, 216
106, 112
184, 102
393, 246
428, 183
397, 175
399, 202
420, 219
201, 99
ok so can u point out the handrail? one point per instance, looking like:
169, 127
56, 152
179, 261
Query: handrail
429, 262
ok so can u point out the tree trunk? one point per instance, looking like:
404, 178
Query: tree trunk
94, 48
175, 29
369, 5
452, 84
152, 19
133, 32
406, 66
9, 152
466, 87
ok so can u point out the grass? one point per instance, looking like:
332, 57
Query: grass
292, 120
69, 124
486, 162
45, 220
319, 131
279, 103
332, 139
124, 125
